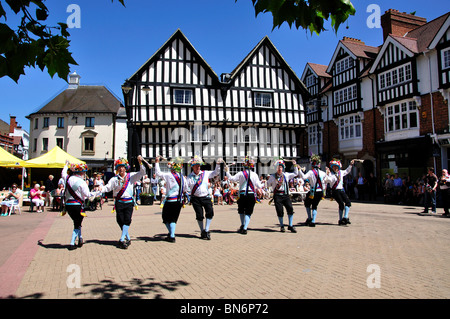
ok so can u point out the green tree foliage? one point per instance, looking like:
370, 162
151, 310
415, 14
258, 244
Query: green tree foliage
33, 43
306, 14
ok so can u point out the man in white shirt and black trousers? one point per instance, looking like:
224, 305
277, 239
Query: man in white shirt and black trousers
200, 197
122, 187
176, 185
249, 188
280, 187
336, 180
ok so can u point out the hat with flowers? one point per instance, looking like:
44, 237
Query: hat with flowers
121, 162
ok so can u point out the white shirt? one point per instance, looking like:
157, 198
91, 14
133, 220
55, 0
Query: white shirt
202, 190
240, 177
173, 189
312, 179
115, 184
77, 184
284, 187
333, 177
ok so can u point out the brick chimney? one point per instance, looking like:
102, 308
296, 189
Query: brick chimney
12, 123
399, 23
353, 40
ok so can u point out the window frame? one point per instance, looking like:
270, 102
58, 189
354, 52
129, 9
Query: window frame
191, 99
445, 52
350, 127
395, 76
258, 95
60, 122
89, 120
397, 114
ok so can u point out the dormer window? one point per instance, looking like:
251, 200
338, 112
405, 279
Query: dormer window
446, 59
344, 64
311, 80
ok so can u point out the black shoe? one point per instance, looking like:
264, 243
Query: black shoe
311, 224
244, 231
204, 235
170, 239
122, 245
208, 235
307, 221
72, 247
282, 229
80, 242
240, 229
128, 242
342, 222
347, 221
292, 229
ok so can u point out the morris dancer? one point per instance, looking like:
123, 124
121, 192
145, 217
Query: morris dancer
280, 187
315, 195
249, 188
76, 192
122, 187
176, 187
200, 197
336, 180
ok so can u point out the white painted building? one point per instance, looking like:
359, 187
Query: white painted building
86, 121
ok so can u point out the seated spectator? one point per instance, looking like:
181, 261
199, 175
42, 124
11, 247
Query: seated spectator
218, 193
59, 192
37, 198
226, 193
11, 199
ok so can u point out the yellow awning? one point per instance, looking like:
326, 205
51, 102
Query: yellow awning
55, 158
9, 160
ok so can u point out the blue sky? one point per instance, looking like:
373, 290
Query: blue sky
113, 41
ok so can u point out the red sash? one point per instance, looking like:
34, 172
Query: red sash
122, 190
317, 179
249, 182
338, 180
72, 193
124, 187
180, 185
197, 185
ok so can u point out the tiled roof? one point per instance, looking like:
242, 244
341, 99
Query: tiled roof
84, 98
319, 69
426, 33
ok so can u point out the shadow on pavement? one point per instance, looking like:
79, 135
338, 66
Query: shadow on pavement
134, 289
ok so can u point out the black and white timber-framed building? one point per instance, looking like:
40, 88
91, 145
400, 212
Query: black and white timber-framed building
177, 106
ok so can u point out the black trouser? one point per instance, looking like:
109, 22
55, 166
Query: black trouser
74, 212
202, 202
341, 198
281, 200
171, 212
313, 202
246, 204
124, 212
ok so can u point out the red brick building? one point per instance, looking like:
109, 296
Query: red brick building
386, 105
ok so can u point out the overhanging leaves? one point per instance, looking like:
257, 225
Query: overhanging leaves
309, 15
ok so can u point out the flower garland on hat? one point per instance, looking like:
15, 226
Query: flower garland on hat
78, 168
197, 160
335, 162
176, 165
249, 162
121, 162
280, 162
315, 160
